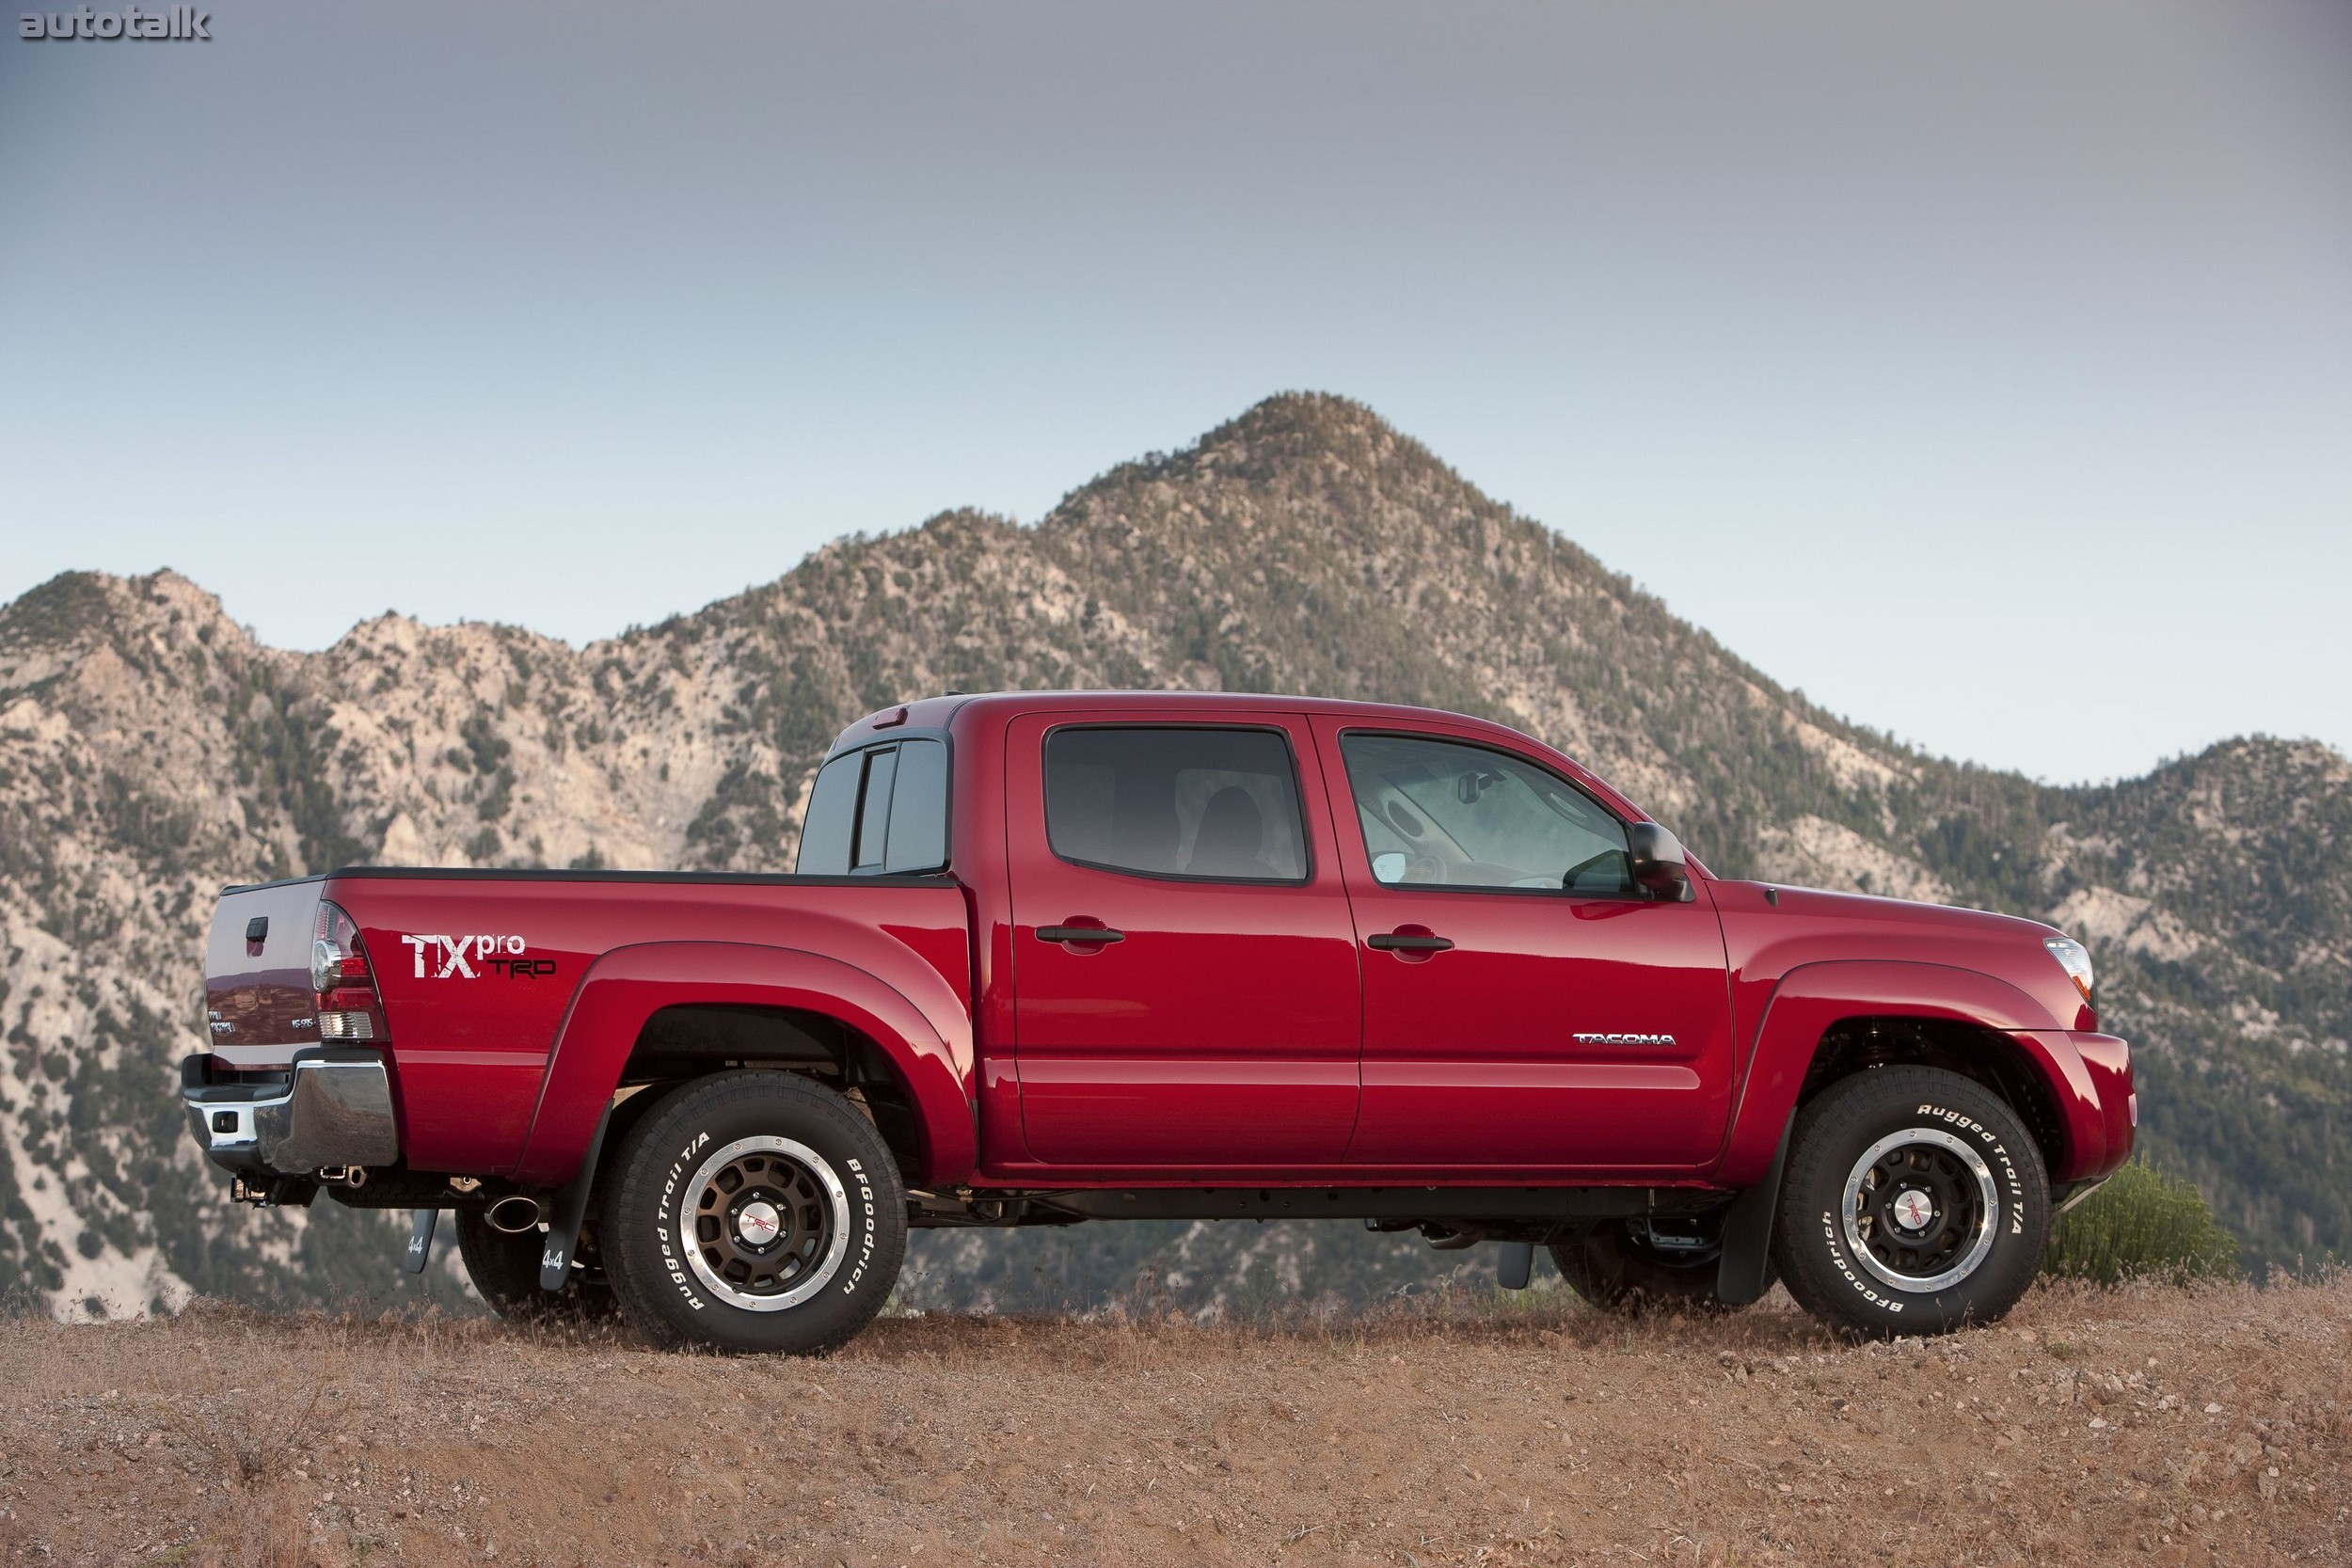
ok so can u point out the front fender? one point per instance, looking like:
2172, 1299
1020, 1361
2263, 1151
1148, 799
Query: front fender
628, 986
1812, 998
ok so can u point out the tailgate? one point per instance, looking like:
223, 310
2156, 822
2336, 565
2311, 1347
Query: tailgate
258, 1001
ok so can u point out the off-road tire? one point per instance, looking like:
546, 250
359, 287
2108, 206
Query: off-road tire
816, 1203
506, 1271
1983, 1202
1612, 1270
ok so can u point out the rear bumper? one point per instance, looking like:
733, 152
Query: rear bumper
335, 1108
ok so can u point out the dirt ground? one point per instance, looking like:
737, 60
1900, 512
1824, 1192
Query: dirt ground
2149, 1425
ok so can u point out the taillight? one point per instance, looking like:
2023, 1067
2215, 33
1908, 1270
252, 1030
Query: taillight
349, 1007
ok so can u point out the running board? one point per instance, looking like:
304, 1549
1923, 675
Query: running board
1379, 1203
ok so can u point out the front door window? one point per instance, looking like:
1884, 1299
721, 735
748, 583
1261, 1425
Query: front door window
1439, 814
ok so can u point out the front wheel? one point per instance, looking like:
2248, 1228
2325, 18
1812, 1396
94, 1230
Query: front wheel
1915, 1202
754, 1212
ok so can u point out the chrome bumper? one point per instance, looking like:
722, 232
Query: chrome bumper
335, 1110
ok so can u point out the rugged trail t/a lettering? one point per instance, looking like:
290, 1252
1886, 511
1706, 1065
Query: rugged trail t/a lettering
1053, 957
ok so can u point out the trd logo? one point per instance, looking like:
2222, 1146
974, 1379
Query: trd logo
455, 958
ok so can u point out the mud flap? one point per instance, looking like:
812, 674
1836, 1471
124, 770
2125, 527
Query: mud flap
570, 1212
1515, 1264
421, 1242
1746, 1271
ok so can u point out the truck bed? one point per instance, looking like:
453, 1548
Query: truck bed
480, 969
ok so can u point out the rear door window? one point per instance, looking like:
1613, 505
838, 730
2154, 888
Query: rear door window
882, 809
1186, 801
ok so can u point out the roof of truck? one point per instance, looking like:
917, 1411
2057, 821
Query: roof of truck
933, 713
932, 716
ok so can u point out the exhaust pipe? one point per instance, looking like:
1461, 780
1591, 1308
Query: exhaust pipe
515, 1214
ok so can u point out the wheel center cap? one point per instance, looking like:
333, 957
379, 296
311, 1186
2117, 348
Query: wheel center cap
759, 1221
1913, 1209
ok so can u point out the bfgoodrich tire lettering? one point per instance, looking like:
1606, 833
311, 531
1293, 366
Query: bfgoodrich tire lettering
754, 1212
1915, 1202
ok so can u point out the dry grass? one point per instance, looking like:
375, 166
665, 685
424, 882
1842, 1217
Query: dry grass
2148, 1424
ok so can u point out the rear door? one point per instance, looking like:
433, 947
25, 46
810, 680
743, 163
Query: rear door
1212, 1023
1525, 1006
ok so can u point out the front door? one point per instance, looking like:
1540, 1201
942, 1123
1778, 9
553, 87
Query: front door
1212, 1023
1525, 1005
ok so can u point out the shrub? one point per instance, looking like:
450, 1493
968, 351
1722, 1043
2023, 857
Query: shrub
2142, 1225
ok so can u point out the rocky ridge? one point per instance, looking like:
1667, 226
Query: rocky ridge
152, 750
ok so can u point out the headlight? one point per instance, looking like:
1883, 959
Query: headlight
2074, 959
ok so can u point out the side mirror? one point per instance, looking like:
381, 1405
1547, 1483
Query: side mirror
1657, 862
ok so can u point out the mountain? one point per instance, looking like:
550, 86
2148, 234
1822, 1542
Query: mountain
152, 750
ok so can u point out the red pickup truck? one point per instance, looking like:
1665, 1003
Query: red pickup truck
1050, 957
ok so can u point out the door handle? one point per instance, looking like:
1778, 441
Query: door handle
1397, 942
1079, 933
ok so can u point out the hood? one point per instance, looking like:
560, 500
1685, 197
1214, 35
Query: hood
1770, 929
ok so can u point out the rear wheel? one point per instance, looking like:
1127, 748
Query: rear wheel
1631, 1266
505, 1270
1915, 1202
754, 1212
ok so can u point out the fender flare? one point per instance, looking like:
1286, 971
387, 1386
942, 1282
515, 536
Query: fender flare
1812, 998
626, 986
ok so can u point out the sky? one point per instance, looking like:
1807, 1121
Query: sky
1984, 371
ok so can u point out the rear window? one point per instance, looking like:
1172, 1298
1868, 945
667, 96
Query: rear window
1217, 804
883, 809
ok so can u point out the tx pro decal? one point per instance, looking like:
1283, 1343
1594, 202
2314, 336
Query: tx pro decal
455, 957
1623, 1039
